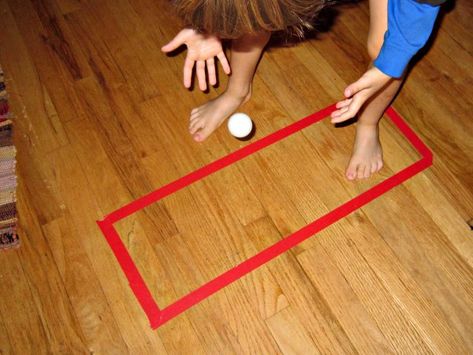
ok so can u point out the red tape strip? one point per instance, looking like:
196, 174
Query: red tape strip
157, 316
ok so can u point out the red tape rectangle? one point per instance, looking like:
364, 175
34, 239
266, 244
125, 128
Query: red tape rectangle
159, 316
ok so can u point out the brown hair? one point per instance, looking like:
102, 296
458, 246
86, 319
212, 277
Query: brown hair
233, 18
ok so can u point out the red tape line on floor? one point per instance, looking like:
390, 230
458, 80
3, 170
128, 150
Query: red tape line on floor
157, 316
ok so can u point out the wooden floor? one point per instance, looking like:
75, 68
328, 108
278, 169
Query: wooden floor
101, 119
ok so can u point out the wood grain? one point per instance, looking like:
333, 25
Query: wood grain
102, 119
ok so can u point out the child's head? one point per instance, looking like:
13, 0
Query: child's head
233, 18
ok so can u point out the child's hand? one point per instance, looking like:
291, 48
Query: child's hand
358, 93
201, 49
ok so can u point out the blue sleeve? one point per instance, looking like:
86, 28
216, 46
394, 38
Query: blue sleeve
409, 27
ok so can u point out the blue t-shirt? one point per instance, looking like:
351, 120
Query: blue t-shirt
410, 25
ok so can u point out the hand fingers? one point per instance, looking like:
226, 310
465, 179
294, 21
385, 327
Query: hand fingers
175, 42
344, 103
342, 107
211, 71
169, 47
224, 62
201, 75
336, 114
354, 88
188, 66
349, 111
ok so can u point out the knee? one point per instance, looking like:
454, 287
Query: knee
374, 46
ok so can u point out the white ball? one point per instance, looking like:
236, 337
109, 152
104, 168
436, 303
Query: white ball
240, 125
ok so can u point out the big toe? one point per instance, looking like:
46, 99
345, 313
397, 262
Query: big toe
203, 133
351, 171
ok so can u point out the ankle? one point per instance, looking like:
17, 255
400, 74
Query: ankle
241, 93
367, 125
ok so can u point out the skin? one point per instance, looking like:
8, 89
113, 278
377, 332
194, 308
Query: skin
246, 52
201, 53
368, 97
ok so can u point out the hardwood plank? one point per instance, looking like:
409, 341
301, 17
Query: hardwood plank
361, 327
131, 63
179, 334
244, 330
58, 58
24, 329
5, 346
84, 211
227, 321
59, 38
67, 6
34, 104
328, 196
388, 316
450, 289
101, 119
113, 137
61, 328
306, 301
83, 289
290, 335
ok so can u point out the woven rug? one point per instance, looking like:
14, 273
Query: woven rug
8, 236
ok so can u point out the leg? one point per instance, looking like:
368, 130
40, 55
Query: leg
246, 52
367, 157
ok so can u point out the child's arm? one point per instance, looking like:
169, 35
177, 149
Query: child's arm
410, 24
201, 51
358, 93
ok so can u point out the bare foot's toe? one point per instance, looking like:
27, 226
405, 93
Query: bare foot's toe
207, 118
367, 157
203, 133
374, 167
195, 125
367, 172
193, 120
351, 171
361, 172
192, 123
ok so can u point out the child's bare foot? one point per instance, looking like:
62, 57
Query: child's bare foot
208, 117
367, 157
